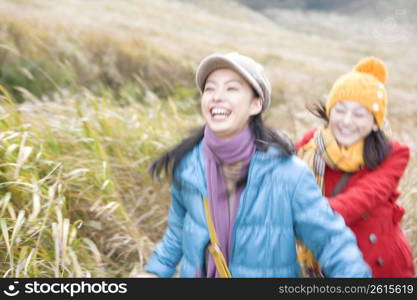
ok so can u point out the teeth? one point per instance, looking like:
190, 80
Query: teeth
220, 111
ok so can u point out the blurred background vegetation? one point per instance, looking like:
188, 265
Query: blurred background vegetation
92, 91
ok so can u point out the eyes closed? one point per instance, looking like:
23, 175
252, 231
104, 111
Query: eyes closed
358, 113
229, 89
231, 86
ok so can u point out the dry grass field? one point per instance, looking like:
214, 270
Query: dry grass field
92, 91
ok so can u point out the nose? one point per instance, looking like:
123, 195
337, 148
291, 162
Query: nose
218, 95
347, 118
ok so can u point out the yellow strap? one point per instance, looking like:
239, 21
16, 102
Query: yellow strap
214, 248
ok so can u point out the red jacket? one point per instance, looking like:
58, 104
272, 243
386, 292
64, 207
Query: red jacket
368, 205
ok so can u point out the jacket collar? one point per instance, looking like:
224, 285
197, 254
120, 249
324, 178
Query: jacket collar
193, 173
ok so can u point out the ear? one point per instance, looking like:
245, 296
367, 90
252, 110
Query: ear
255, 106
374, 127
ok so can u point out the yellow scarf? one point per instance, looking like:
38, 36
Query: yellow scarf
320, 151
323, 150
348, 159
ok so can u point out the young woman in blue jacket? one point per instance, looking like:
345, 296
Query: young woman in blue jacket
260, 196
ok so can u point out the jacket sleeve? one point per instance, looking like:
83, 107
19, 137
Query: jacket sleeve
168, 252
324, 232
306, 138
374, 188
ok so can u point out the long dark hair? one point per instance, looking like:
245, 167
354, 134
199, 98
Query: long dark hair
377, 145
264, 137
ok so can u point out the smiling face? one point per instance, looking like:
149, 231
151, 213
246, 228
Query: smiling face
227, 102
350, 122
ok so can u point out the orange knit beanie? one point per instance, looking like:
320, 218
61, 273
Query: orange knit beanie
365, 85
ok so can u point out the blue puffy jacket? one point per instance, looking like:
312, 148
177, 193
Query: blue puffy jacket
281, 202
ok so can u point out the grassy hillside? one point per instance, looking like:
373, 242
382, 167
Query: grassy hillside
94, 90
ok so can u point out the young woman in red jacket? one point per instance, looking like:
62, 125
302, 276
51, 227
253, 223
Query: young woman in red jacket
359, 168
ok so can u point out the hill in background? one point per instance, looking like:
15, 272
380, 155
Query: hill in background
364, 8
142, 46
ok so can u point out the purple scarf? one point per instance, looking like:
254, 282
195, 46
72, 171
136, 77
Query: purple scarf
218, 152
